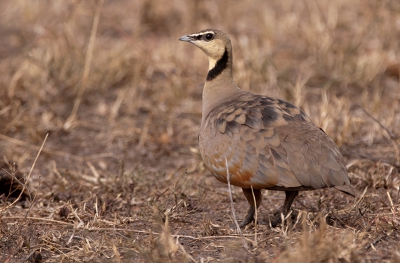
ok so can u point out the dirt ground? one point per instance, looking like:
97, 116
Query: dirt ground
119, 177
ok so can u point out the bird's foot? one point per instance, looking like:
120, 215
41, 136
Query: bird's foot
245, 222
276, 220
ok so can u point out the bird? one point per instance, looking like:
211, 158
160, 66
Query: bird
262, 142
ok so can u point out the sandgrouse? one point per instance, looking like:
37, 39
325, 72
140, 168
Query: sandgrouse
266, 142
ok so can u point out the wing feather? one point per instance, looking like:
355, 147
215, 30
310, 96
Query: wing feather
269, 143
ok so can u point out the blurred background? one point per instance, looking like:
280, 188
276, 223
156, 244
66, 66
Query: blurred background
120, 96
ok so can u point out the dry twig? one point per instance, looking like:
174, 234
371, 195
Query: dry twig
256, 217
232, 206
69, 123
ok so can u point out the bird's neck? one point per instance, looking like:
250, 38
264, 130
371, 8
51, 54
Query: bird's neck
219, 86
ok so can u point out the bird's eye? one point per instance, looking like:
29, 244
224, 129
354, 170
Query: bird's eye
209, 36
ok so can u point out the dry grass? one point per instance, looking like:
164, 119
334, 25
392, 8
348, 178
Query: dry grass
122, 180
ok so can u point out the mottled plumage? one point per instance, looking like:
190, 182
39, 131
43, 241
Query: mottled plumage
268, 143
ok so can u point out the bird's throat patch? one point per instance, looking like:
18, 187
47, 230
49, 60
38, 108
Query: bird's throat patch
221, 64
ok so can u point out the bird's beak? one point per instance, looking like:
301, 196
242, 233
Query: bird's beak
186, 38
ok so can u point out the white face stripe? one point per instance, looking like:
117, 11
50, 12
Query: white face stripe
202, 33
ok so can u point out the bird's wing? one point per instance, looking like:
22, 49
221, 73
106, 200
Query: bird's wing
269, 143
313, 157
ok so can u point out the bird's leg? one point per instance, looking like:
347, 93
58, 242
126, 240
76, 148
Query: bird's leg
290, 196
249, 196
